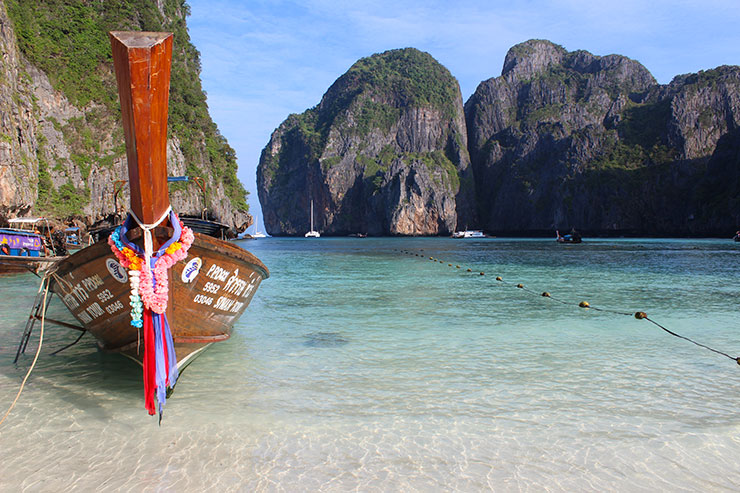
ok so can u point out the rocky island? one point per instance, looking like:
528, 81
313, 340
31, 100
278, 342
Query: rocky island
384, 152
560, 139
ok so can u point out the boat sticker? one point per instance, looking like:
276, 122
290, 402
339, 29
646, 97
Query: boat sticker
116, 271
190, 272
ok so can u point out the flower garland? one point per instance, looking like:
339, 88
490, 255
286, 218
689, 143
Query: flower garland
147, 286
137, 307
149, 283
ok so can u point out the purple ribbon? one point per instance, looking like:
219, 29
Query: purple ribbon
159, 321
162, 373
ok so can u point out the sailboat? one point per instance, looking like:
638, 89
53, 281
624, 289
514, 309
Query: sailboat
312, 233
257, 232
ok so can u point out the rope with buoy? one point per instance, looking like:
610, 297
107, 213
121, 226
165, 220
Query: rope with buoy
38, 350
640, 315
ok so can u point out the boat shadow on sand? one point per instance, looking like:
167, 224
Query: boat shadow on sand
84, 376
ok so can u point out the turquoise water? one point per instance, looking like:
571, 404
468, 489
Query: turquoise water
359, 367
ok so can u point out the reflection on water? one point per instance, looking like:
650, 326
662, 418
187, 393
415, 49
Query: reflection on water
359, 367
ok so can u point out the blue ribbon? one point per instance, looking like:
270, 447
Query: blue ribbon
159, 321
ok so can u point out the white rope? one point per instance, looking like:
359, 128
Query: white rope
147, 228
45, 280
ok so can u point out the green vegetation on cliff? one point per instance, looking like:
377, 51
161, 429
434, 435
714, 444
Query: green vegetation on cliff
374, 91
68, 40
383, 83
640, 141
411, 76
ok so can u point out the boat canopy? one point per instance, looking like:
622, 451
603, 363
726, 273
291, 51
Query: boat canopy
26, 220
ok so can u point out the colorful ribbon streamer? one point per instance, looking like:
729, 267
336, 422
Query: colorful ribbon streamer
149, 297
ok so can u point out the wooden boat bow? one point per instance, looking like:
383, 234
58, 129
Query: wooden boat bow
193, 287
142, 63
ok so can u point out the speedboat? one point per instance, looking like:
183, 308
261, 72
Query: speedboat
469, 233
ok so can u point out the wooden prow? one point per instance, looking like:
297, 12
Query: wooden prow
142, 63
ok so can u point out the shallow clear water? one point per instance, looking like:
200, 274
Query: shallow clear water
361, 367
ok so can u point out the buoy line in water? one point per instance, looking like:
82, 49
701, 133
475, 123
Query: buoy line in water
582, 304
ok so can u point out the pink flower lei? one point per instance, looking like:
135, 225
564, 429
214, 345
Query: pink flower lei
154, 293
155, 296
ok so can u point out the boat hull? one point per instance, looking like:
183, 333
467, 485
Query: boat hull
14, 264
209, 291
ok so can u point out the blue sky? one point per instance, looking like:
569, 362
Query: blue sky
263, 60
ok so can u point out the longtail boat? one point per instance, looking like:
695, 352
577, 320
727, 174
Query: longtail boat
23, 248
156, 291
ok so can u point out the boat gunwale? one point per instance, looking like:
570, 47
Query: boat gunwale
220, 246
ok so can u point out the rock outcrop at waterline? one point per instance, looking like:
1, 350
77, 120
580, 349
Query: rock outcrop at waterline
384, 153
61, 140
565, 139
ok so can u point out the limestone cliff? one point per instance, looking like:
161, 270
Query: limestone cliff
568, 139
384, 152
561, 139
61, 141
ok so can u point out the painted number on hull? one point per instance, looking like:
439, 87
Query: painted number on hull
233, 285
77, 296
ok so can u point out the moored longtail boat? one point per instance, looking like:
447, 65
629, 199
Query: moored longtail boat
156, 291
24, 249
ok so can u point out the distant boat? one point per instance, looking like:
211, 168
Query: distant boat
257, 233
737, 236
469, 233
24, 249
72, 239
312, 233
573, 237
